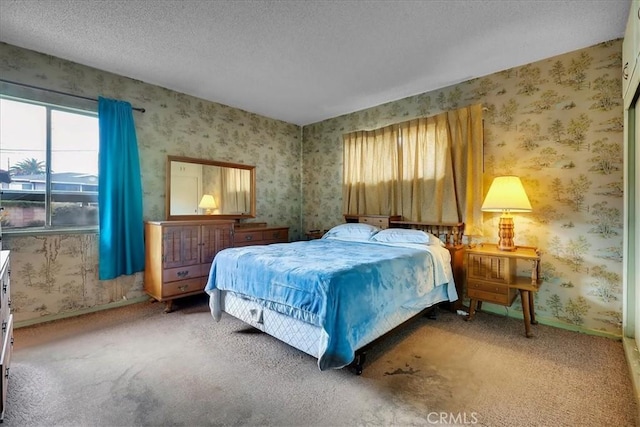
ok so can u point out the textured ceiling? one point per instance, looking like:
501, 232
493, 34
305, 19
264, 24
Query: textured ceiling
305, 61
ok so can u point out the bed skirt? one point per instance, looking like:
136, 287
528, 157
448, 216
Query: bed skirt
299, 334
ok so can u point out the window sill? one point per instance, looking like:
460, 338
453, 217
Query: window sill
49, 231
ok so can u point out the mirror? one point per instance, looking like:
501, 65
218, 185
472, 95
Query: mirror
208, 189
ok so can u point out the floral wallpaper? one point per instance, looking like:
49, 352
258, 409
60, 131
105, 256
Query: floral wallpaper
56, 274
556, 123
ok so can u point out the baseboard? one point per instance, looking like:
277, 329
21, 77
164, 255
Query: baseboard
58, 316
501, 310
633, 360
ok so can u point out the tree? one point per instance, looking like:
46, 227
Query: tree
607, 284
574, 252
576, 310
607, 95
557, 72
557, 189
577, 70
606, 220
28, 167
608, 157
529, 80
578, 130
576, 190
555, 305
557, 130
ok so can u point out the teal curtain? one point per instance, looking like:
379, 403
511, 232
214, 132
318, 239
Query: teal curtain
119, 192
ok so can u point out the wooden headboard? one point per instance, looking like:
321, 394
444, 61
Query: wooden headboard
449, 233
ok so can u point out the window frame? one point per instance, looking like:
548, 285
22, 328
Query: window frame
48, 227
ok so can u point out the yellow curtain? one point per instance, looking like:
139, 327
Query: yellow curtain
370, 171
235, 191
427, 170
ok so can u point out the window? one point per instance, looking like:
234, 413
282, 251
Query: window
425, 170
51, 155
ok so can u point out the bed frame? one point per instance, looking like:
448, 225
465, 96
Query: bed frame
305, 336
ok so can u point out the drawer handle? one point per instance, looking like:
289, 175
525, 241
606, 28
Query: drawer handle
6, 373
4, 326
183, 287
9, 302
625, 71
4, 288
248, 237
183, 273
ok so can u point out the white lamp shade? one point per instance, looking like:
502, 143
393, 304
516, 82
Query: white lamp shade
208, 202
506, 194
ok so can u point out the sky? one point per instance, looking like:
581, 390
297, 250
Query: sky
23, 136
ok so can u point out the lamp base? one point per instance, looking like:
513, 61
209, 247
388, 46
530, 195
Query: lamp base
506, 233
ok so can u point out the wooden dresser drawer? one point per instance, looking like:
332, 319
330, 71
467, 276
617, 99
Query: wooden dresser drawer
504, 299
277, 235
188, 286
181, 273
488, 287
247, 237
264, 236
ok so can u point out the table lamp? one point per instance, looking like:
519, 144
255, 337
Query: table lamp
506, 195
208, 203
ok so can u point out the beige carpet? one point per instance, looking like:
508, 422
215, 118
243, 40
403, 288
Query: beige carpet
136, 366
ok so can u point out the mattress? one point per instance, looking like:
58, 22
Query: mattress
349, 292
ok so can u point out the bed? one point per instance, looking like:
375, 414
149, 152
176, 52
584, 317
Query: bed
334, 296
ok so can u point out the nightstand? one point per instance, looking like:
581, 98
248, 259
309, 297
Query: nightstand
492, 277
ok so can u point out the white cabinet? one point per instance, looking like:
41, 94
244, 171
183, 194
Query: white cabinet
7, 328
631, 238
631, 51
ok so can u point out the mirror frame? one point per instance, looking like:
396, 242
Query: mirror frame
251, 169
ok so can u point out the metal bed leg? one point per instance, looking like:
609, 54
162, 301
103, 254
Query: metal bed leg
431, 313
358, 362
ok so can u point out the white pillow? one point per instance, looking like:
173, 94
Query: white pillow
405, 235
352, 230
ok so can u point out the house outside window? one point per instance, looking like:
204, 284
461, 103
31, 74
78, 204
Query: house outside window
48, 166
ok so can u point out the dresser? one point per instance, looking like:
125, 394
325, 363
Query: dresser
492, 276
7, 327
259, 234
179, 255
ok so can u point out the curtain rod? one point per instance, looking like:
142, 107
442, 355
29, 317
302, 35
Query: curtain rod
142, 110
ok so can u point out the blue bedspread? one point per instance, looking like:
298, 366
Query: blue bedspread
346, 288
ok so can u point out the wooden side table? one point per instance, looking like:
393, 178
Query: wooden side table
492, 277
